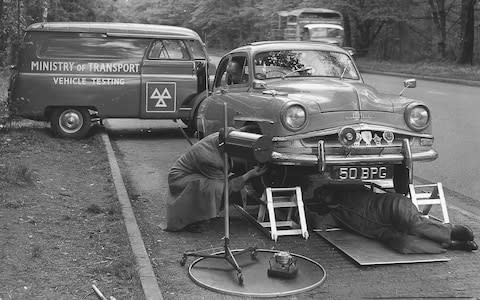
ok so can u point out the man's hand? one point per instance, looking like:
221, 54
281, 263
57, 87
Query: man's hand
255, 172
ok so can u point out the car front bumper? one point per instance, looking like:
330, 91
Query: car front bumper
323, 160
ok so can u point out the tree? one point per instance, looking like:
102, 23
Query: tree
467, 32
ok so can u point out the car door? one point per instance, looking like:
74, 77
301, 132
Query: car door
168, 79
230, 88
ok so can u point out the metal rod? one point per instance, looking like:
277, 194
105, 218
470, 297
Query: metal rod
225, 173
184, 134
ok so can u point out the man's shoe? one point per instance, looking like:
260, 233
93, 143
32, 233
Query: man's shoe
463, 245
461, 233
198, 227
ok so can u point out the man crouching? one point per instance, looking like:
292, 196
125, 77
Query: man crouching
196, 183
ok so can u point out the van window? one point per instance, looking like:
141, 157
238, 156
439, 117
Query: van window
91, 47
196, 49
169, 49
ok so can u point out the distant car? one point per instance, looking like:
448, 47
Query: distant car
323, 119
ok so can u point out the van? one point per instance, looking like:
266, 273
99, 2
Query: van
73, 74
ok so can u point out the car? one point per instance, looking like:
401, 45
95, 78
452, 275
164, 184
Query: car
324, 121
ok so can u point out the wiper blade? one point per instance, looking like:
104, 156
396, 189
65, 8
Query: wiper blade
343, 73
297, 70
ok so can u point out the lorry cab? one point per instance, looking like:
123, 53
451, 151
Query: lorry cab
74, 73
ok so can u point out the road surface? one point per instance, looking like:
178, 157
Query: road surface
146, 150
456, 127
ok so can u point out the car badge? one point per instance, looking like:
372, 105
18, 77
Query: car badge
377, 140
388, 136
367, 137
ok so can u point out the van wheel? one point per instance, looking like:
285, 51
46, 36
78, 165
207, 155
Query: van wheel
68, 122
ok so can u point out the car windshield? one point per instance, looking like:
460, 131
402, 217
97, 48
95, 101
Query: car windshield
325, 33
304, 63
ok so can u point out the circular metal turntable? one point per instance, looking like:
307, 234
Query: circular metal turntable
218, 275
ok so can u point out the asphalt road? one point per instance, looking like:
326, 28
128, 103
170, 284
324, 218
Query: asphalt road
456, 127
145, 151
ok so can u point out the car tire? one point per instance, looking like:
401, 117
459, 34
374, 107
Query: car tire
274, 177
70, 122
401, 179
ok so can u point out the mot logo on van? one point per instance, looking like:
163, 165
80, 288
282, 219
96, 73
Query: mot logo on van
161, 96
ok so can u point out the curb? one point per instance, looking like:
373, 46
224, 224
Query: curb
430, 78
145, 270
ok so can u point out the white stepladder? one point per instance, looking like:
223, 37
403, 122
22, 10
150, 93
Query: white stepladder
290, 198
429, 195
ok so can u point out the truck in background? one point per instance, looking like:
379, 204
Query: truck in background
310, 24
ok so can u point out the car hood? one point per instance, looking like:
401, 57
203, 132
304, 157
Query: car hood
331, 95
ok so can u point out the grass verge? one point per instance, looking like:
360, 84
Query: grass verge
425, 68
61, 227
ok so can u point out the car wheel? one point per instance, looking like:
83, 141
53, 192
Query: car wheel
274, 177
69, 122
401, 179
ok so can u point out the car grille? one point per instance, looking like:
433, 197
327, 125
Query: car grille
376, 145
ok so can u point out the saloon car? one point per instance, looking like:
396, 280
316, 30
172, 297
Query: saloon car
323, 119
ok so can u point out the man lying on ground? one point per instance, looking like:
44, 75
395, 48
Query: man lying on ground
387, 217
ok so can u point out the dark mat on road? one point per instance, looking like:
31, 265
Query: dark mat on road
368, 252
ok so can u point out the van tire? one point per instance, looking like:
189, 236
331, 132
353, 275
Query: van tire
70, 122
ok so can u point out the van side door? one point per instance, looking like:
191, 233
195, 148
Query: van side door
168, 77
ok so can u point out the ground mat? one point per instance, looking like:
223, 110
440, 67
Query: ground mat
368, 252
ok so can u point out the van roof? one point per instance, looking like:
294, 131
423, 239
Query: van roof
118, 29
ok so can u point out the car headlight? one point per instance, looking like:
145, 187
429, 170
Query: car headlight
417, 117
294, 117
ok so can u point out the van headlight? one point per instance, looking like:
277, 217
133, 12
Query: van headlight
294, 117
417, 117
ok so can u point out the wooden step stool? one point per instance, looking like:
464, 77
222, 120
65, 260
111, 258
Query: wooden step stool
429, 195
290, 198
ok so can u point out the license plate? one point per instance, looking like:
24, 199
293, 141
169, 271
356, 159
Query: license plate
363, 173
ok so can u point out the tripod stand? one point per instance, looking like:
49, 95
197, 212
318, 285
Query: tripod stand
228, 255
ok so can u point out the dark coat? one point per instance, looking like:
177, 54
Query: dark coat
196, 183
388, 217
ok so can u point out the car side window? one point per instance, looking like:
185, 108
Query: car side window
169, 49
237, 70
221, 75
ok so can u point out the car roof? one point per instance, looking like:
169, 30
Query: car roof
328, 25
299, 11
286, 45
119, 29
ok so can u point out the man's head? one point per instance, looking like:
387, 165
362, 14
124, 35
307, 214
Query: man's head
234, 71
